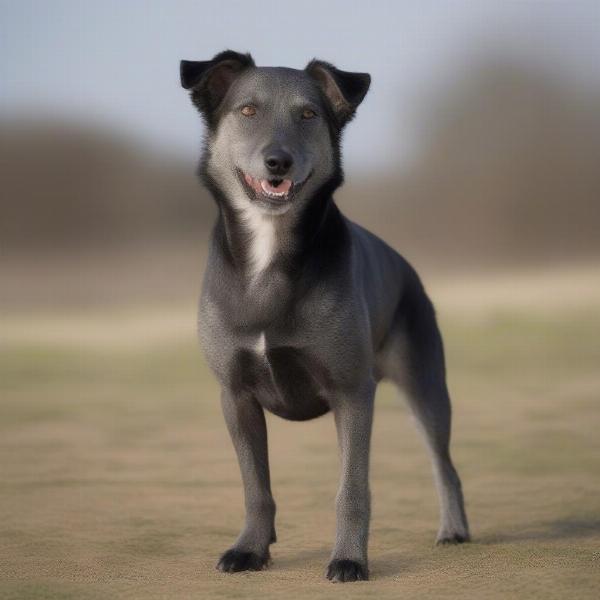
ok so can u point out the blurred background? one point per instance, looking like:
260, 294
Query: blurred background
476, 148
476, 154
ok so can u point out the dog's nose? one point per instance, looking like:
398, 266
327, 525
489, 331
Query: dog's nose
278, 161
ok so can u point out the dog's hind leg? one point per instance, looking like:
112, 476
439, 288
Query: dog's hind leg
431, 408
246, 423
415, 362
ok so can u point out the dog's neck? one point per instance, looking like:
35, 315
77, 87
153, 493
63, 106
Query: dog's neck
263, 235
253, 241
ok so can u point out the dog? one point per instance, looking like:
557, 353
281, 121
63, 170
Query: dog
302, 311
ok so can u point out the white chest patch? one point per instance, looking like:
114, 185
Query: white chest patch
261, 228
261, 344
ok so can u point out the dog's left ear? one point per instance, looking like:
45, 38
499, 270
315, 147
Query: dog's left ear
344, 90
209, 80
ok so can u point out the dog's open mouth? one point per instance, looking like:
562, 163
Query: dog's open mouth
277, 189
274, 192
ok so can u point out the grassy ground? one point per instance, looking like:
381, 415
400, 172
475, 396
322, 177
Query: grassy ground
118, 479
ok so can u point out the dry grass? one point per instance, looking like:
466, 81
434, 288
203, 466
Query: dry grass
119, 480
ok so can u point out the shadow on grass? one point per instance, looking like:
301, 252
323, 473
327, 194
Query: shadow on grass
560, 529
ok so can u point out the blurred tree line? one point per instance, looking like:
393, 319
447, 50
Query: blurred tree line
508, 171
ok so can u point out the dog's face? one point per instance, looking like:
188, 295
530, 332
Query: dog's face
273, 133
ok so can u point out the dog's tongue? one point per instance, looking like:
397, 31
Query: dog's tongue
282, 187
279, 187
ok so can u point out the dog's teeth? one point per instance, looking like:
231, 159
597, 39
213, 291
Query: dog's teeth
269, 192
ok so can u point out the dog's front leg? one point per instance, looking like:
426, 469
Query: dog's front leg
353, 418
246, 423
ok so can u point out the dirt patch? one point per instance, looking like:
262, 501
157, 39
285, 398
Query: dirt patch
119, 480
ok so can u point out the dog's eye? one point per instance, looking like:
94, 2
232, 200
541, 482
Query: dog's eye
248, 111
308, 113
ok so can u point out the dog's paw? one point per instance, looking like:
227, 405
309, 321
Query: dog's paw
234, 560
448, 539
342, 570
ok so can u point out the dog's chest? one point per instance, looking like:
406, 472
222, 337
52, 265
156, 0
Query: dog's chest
286, 380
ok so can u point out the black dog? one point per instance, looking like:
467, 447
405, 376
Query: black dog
303, 311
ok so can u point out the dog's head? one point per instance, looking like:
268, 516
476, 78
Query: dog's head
273, 133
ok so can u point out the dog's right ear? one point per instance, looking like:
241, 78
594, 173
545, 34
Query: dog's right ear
210, 80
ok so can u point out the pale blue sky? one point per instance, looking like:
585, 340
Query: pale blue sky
116, 61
